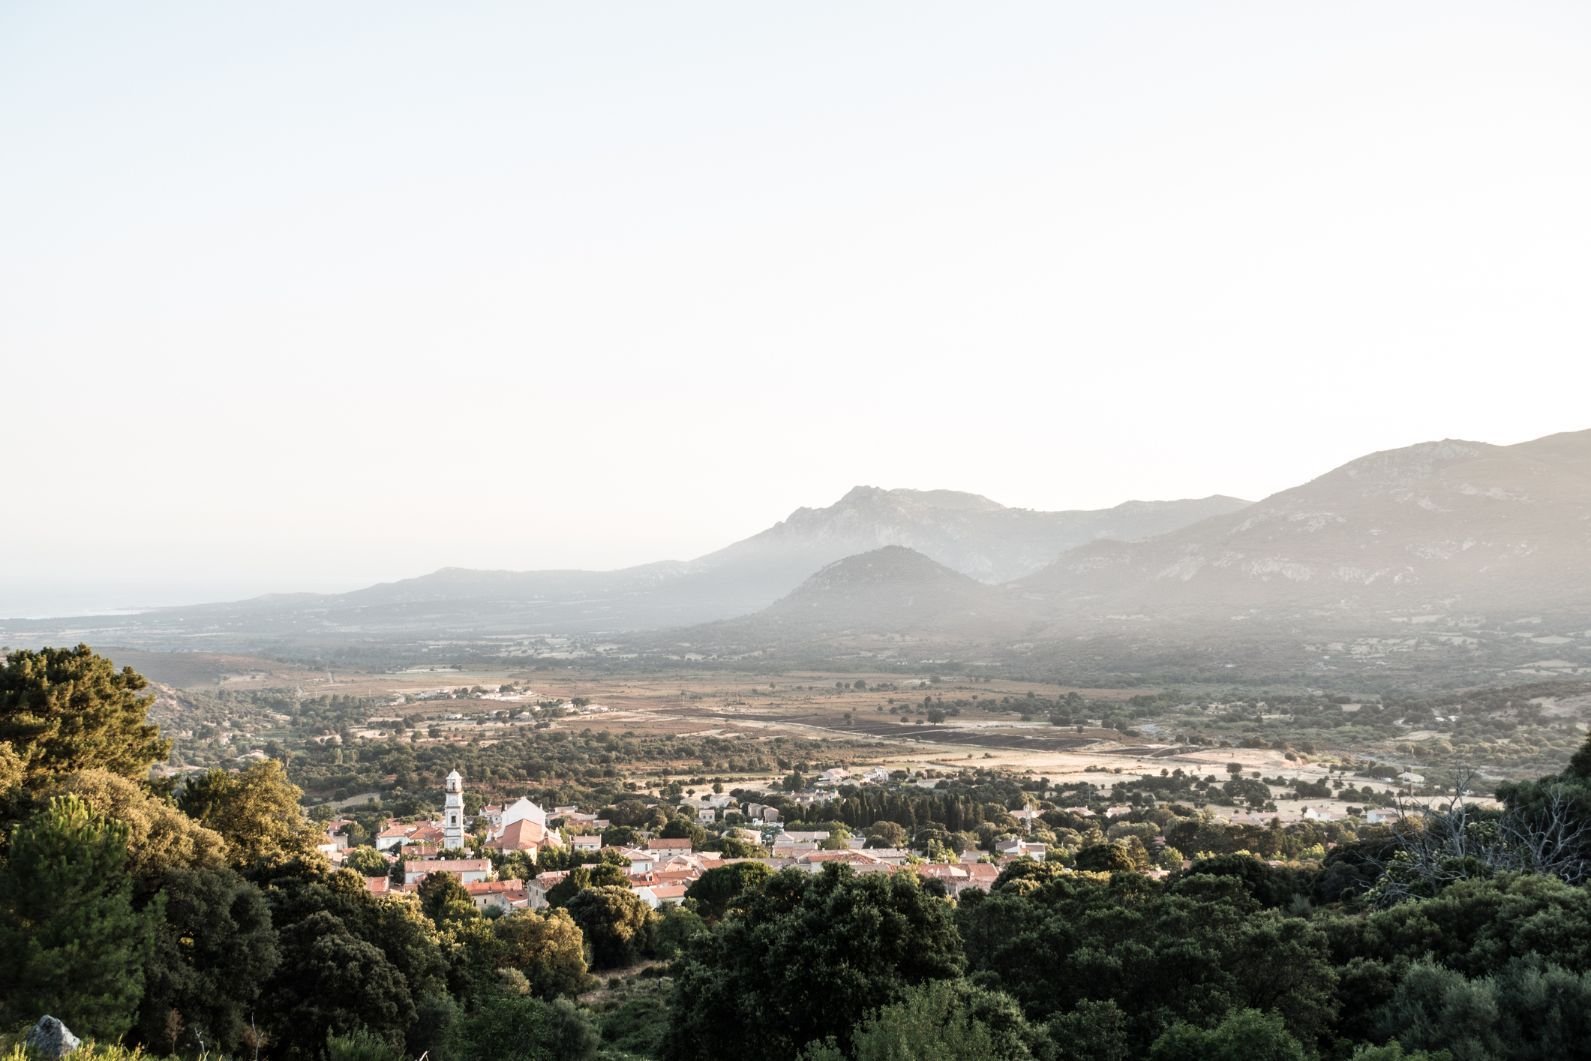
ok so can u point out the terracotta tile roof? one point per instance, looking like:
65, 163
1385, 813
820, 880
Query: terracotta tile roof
520, 836
448, 865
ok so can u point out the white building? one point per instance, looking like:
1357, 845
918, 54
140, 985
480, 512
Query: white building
522, 809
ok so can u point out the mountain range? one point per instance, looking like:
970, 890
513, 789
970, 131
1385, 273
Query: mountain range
1450, 557
967, 533
1455, 544
1437, 528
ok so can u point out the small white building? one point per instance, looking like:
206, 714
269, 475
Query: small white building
464, 870
1014, 848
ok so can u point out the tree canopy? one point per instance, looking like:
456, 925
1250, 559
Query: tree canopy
65, 709
257, 811
808, 956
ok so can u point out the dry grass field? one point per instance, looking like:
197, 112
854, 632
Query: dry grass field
866, 718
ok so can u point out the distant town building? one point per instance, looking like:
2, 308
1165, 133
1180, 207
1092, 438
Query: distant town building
464, 870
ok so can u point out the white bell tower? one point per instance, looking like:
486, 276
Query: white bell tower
453, 812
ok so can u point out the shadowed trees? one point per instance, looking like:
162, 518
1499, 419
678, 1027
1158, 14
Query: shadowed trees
808, 956
74, 945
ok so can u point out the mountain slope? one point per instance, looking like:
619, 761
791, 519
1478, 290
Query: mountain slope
1439, 527
893, 588
892, 594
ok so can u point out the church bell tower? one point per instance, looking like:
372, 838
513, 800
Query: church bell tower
453, 812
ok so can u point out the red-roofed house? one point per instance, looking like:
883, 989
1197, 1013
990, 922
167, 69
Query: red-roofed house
859, 861
959, 877
465, 870
504, 895
426, 834
394, 835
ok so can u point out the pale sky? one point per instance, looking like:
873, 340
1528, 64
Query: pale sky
305, 296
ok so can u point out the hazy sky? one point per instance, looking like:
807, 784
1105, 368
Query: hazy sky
303, 296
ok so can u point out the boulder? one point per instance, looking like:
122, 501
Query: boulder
50, 1038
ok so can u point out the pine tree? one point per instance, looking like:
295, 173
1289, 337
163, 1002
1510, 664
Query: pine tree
65, 709
74, 946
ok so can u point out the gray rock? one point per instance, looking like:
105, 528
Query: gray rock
51, 1038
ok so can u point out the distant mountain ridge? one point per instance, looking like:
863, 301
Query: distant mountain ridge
1450, 557
969, 534
965, 532
1440, 526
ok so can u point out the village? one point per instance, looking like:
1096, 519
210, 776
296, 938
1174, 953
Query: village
659, 869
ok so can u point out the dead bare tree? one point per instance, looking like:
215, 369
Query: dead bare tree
1436, 844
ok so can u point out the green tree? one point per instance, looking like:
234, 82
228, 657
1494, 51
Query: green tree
946, 1020
74, 945
522, 1028
368, 862
65, 709
1580, 763
548, 949
681, 828
348, 960
714, 891
808, 956
1116, 857
214, 948
601, 874
614, 922
1528, 1010
673, 929
1053, 941
12, 772
886, 834
256, 810
444, 899
334, 983
838, 838
739, 847
1245, 1035
1093, 1030
160, 838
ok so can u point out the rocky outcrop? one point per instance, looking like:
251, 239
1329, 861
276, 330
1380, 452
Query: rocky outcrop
50, 1038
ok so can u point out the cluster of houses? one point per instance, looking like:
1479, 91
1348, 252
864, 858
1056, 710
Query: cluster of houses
660, 870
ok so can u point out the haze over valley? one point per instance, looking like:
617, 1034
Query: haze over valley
1464, 558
